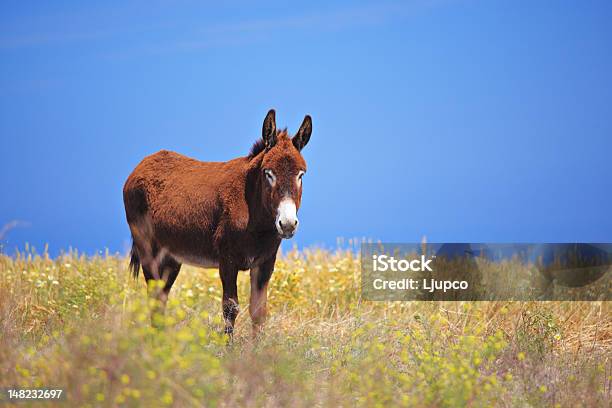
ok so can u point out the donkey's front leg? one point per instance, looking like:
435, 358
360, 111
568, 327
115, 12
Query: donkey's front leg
229, 275
260, 276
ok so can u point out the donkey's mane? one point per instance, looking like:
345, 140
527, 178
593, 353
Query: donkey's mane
259, 145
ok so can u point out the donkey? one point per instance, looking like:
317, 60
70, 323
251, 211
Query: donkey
228, 215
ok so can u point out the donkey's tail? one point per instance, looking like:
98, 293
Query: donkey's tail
134, 261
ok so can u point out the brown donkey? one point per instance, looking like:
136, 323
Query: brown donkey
228, 215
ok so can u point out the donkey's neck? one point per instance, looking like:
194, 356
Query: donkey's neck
260, 218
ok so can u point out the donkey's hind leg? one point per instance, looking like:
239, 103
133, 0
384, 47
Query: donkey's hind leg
152, 260
169, 270
160, 275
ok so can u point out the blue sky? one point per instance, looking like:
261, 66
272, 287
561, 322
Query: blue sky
480, 121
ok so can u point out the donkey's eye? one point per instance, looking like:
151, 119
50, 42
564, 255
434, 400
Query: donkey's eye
270, 176
299, 176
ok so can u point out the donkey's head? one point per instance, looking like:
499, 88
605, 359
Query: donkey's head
282, 168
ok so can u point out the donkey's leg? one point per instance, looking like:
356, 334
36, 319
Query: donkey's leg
151, 261
158, 268
169, 270
229, 275
157, 309
260, 276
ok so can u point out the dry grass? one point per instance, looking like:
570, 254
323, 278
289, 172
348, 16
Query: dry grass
82, 324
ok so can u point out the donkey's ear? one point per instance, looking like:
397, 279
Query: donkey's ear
268, 132
303, 135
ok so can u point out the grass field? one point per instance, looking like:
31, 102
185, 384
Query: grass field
82, 324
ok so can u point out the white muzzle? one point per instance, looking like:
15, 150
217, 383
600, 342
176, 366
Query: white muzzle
286, 218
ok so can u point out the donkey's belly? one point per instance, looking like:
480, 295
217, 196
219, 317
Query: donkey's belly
196, 260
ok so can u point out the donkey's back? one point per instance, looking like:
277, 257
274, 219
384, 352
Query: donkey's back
173, 204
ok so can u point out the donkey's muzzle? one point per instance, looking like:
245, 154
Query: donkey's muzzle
286, 219
287, 229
